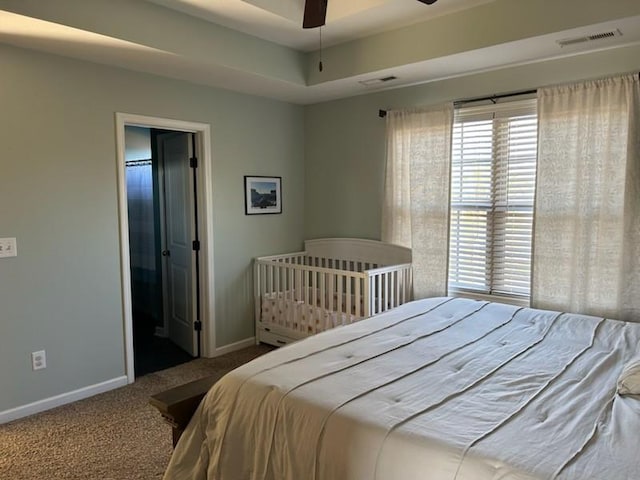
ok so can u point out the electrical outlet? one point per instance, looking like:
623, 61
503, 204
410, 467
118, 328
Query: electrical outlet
39, 360
8, 247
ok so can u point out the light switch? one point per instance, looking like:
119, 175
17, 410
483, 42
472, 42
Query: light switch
8, 247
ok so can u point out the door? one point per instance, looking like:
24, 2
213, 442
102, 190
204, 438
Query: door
179, 232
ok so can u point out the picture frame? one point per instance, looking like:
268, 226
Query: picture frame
262, 195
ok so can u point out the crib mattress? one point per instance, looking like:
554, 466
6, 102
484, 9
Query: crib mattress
279, 309
435, 389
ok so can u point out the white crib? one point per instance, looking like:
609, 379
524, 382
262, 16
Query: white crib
335, 281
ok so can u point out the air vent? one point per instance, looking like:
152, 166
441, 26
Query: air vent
590, 38
377, 81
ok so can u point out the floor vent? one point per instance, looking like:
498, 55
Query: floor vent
590, 38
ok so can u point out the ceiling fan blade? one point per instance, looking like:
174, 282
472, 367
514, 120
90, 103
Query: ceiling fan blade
315, 13
428, 2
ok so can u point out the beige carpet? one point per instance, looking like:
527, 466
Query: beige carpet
114, 436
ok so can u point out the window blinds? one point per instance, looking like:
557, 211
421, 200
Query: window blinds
493, 172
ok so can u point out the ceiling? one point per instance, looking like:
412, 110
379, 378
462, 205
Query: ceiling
280, 21
258, 46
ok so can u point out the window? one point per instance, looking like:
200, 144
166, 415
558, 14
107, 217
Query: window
493, 170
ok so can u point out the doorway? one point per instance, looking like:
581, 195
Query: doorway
166, 242
161, 201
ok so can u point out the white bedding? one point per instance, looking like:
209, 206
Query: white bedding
435, 389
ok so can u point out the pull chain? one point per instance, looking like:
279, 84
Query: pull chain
320, 62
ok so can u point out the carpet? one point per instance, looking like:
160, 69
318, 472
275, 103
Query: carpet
113, 436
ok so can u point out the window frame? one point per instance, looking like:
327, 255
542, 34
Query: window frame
505, 109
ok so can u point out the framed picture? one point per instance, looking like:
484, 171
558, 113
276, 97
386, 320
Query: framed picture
262, 195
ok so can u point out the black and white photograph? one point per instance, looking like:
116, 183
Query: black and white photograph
262, 195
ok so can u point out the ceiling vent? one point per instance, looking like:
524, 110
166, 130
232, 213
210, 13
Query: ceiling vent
377, 81
590, 38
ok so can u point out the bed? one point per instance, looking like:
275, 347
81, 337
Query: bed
440, 388
333, 282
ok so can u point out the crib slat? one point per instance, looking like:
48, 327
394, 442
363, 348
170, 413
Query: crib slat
406, 282
270, 278
308, 310
392, 290
332, 289
317, 294
387, 289
323, 298
339, 299
339, 292
314, 297
257, 291
357, 299
407, 285
366, 301
321, 290
391, 301
289, 316
379, 294
306, 284
348, 302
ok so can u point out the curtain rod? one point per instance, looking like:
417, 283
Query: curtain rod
493, 98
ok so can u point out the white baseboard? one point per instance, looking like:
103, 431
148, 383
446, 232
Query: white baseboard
62, 399
232, 347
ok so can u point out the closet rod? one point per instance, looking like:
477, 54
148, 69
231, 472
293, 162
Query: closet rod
493, 98
137, 163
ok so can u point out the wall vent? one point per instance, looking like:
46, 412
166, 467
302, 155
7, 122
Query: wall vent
589, 38
377, 81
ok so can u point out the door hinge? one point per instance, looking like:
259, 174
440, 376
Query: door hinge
196, 245
193, 162
197, 326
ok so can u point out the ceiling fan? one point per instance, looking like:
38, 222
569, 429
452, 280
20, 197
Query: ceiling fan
315, 12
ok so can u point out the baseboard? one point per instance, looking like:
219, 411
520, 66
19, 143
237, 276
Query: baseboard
62, 399
232, 347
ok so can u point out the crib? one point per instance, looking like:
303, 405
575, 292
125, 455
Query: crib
334, 281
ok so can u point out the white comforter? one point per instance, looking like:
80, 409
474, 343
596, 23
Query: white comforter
436, 389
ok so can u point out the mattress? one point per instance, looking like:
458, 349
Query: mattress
280, 309
435, 389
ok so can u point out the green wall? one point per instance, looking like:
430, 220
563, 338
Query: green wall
345, 139
58, 196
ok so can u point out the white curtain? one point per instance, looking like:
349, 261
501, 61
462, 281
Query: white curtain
587, 216
415, 211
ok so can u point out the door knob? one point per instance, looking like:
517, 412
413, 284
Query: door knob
166, 253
